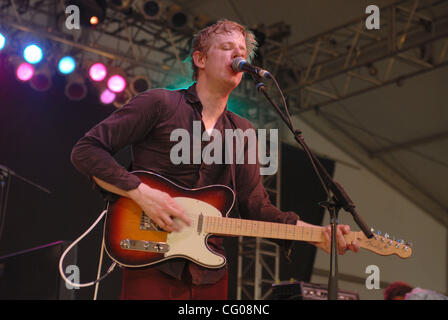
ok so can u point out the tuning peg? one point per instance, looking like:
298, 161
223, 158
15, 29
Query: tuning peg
386, 235
372, 230
409, 244
378, 232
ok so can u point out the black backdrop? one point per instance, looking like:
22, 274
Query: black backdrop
37, 133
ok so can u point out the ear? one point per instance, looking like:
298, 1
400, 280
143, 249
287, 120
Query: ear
199, 59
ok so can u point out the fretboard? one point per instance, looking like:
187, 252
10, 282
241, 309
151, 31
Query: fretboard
252, 228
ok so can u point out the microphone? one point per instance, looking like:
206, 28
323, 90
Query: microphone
241, 65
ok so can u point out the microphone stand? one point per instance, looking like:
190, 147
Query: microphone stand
334, 202
5, 182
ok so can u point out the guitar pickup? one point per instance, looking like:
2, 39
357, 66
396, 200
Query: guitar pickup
141, 245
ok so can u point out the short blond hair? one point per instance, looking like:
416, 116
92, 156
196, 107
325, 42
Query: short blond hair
201, 39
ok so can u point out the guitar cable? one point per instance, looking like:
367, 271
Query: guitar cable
88, 284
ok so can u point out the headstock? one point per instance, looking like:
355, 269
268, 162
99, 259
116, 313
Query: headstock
385, 244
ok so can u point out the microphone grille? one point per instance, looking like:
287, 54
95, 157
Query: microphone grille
236, 63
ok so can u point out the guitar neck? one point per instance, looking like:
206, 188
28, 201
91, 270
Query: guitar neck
262, 229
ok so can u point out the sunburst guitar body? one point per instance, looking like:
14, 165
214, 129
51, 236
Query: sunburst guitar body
132, 239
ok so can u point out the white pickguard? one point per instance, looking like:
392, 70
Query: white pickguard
190, 244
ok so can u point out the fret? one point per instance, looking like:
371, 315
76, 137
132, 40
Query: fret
212, 227
207, 227
234, 224
290, 231
215, 225
284, 229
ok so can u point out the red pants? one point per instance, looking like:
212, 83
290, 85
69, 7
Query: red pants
152, 284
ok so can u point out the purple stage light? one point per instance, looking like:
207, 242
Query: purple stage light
107, 96
25, 71
98, 72
116, 83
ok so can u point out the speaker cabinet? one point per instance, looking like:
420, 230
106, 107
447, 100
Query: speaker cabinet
300, 290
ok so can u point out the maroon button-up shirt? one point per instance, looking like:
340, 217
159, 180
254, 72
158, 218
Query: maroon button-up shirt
146, 124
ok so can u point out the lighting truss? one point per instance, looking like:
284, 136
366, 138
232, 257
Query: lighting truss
125, 40
350, 60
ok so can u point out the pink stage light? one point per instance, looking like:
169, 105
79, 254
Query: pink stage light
107, 96
25, 71
116, 83
98, 72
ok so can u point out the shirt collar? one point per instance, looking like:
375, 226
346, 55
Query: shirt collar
192, 97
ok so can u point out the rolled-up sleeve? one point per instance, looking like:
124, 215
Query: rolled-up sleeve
93, 154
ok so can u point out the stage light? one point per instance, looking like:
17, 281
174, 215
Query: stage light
25, 71
42, 79
122, 98
139, 84
66, 65
107, 96
33, 54
75, 89
373, 71
116, 83
2, 41
93, 20
175, 17
150, 9
98, 72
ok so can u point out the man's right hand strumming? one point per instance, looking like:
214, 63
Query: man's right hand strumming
159, 206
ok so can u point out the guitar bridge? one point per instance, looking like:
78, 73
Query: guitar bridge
141, 245
147, 224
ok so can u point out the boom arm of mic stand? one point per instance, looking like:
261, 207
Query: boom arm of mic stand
7, 171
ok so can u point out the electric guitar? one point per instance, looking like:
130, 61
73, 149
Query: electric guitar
132, 239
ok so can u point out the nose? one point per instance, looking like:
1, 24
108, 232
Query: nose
238, 53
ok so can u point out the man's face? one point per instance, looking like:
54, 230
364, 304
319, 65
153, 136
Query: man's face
223, 49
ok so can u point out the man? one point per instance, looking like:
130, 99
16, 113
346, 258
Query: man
146, 123
400, 290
